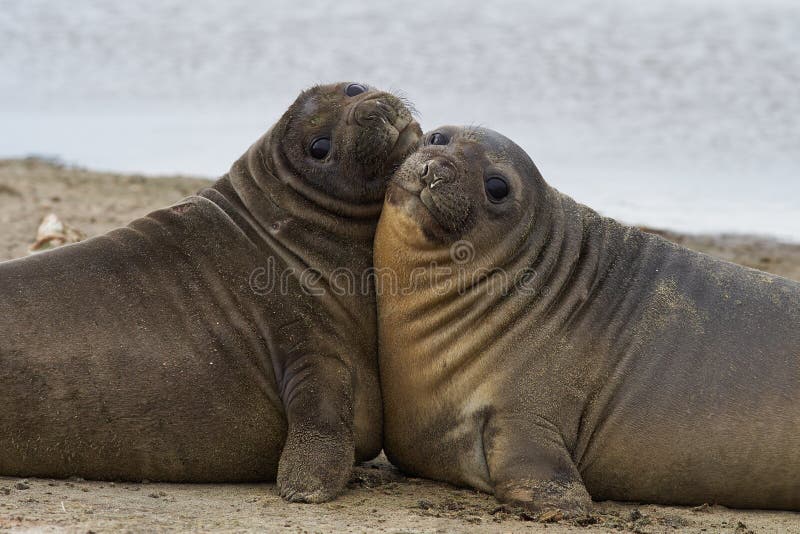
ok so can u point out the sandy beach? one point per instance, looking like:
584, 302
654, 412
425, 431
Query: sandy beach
379, 498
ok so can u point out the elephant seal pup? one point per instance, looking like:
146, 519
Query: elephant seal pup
534, 349
193, 345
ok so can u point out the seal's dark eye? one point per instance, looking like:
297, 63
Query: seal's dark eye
496, 188
320, 147
439, 139
355, 89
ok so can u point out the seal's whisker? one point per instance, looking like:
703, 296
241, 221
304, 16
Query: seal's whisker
402, 97
472, 131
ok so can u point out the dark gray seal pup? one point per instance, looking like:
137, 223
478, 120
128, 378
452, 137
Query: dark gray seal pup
188, 346
531, 348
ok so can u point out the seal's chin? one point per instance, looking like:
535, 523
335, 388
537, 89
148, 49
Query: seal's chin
407, 142
421, 209
408, 138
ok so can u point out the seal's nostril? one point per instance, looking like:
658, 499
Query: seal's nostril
383, 106
423, 171
436, 172
375, 112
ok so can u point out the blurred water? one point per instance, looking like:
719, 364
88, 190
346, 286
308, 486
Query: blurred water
673, 113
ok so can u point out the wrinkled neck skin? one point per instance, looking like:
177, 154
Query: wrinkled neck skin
323, 245
313, 229
557, 274
545, 269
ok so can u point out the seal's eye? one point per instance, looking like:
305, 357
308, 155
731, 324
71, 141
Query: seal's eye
355, 89
439, 139
496, 188
320, 147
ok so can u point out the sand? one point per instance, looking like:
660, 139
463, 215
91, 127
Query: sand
379, 498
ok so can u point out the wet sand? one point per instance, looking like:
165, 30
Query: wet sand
379, 497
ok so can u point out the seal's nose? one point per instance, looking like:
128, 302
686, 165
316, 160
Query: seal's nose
435, 172
374, 111
423, 171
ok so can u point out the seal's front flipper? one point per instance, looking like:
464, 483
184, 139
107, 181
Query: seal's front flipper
319, 453
529, 466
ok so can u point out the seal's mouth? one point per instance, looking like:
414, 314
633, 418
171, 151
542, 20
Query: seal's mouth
409, 201
427, 190
407, 142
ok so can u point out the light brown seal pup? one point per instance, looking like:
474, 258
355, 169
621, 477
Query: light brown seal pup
531, 348
188, 346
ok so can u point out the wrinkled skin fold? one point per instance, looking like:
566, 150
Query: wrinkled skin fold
152, 352
550, 355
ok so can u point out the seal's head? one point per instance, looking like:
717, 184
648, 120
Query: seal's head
340, 143
466, 183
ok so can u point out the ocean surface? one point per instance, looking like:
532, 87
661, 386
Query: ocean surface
682, 114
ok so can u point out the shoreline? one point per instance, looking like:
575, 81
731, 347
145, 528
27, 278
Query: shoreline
96, 202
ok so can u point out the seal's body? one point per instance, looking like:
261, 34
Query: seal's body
189, 346
136, 355
545, 350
